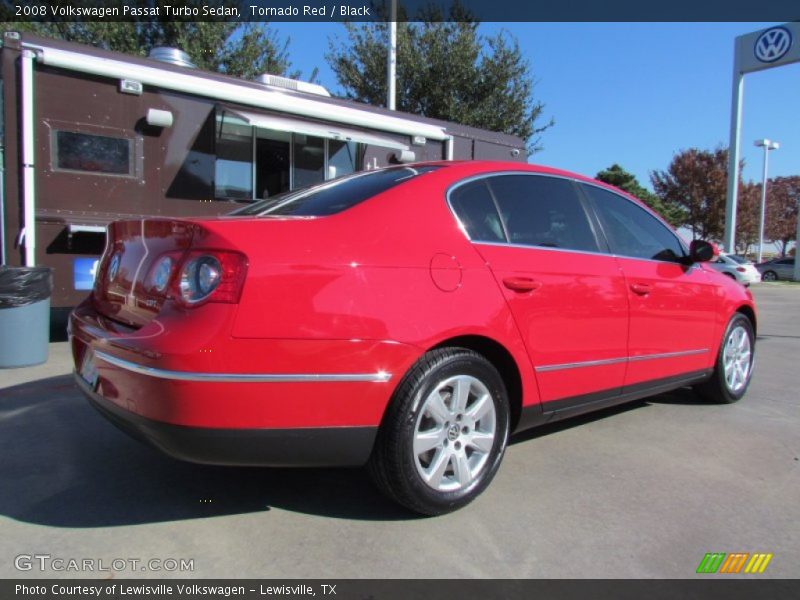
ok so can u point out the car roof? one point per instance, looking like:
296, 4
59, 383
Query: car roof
465, 168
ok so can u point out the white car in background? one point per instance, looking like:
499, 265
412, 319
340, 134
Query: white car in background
743, 272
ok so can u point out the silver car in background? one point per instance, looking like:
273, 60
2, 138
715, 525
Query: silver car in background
780, 268
745, 273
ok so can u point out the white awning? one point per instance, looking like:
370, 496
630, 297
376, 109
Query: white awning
257, 96
332, 131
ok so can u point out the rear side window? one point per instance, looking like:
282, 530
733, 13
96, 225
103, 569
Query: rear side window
334, 196
538, 210
631, 230
475, 209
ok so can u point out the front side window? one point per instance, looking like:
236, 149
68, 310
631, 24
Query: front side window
543, 211
631, 230
90, 153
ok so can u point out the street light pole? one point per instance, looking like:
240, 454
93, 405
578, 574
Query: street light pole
391, 63
767, 145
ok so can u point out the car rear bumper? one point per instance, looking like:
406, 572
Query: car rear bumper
223, 400
297, 447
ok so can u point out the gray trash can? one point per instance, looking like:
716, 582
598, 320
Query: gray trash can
24, 315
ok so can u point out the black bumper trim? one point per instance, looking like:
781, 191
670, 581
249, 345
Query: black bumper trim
301, 447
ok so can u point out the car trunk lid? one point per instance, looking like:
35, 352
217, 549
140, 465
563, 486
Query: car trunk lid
124, 289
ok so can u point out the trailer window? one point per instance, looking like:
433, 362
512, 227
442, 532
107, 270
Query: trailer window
342, 158
233, 169
309, 160
93, 153
253, 162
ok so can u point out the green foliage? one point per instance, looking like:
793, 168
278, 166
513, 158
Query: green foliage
783, 194
696, 181
445, 70
617, 176
227, 47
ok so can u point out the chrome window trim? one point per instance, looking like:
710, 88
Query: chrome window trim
379, 377
491, 174
546, 248
577, 181
622, 359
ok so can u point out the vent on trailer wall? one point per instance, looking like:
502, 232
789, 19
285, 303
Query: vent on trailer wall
292, 84
173, 56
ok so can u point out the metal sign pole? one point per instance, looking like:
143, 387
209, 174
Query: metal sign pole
733, 161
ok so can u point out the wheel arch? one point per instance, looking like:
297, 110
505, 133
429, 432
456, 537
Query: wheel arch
501, 359
748, 312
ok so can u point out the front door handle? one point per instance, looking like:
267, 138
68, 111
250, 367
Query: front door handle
522, 284
640, 288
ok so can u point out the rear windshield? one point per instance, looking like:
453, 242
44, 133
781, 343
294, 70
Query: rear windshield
334, 196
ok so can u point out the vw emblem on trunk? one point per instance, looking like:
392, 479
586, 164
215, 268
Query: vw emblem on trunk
773, 44
113, 268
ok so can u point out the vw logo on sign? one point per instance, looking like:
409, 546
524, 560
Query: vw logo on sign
113, 268
773, 44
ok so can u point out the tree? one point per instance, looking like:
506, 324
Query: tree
748, 213
445, 70
227, 47
696, 182
617, 176
781, 221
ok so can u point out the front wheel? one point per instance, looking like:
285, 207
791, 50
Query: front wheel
444, 434
734, 366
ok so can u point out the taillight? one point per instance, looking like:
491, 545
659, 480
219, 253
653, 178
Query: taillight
209, 276
741, 269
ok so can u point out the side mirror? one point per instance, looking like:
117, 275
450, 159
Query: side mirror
702, 251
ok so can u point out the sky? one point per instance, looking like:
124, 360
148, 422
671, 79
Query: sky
630, 93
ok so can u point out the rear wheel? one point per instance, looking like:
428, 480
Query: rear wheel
769, 276
734, 366
444, 434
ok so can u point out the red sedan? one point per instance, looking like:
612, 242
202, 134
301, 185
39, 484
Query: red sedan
407, 318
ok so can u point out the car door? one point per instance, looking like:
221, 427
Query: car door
672, 303
568, 298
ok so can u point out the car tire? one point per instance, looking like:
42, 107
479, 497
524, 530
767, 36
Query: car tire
769, 276
444, 433
733, 368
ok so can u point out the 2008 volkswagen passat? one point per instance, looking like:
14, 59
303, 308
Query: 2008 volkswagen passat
408, 319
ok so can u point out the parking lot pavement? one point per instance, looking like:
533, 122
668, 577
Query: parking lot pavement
645, 490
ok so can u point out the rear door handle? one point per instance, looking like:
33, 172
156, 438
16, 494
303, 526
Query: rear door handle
640, 288
522, 284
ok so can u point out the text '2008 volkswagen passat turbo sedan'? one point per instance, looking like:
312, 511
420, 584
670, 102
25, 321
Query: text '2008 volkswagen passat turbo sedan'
407, 319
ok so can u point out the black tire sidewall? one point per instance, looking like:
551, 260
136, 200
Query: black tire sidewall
466, 363
719, 371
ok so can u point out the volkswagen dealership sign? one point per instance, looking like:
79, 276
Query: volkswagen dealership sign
773, 44
765, 49
768, 48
